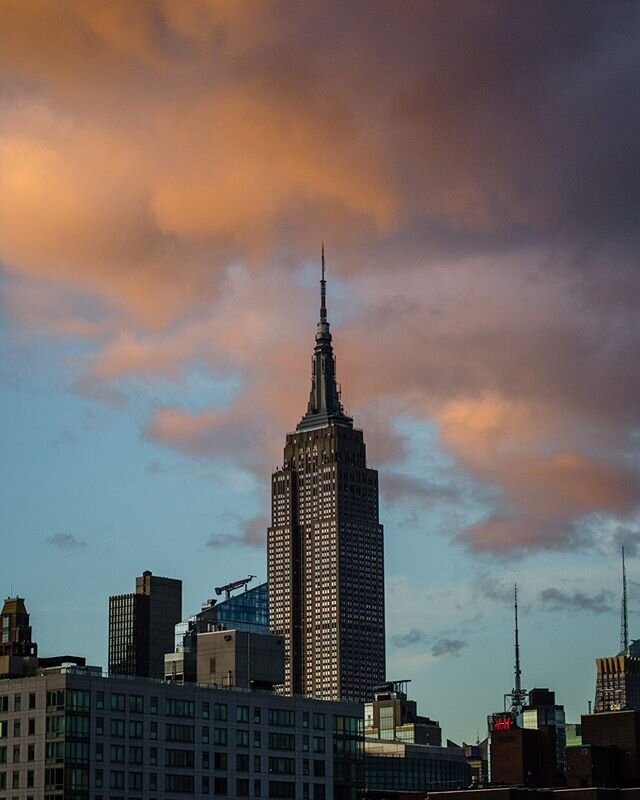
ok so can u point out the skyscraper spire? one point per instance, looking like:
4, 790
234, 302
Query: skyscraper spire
323, 292
624, 617
324, 399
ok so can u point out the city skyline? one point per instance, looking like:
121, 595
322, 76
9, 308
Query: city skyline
167, 174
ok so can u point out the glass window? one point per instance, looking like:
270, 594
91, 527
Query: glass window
17, 702
220, 711
136, 704
117, 702
32, 701
242, 714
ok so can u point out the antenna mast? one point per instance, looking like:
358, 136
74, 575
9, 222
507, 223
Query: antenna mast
624, 617
518, 695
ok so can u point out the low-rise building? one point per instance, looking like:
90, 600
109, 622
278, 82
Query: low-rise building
73, 734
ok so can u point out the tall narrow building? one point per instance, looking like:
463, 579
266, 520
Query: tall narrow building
142, 626
325, 546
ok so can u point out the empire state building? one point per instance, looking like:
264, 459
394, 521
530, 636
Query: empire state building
325, 546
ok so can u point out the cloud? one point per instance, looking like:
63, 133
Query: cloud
448, 647
477, 190
66, 541
253, 533
553, 599
439, 645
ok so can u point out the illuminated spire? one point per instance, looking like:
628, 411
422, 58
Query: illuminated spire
323, 292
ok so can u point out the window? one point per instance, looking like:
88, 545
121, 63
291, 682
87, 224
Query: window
17, 702
281, 716
153, 730
242, 787
135, 780
31, 752
242, 714
32, 701
179, 733
282, 766
117, 702
117, 753
116, 779
154, 705
256, 788
179, 708
135, 729
220, 761
179, 758
153, 756
99, 726
136, 704
282, 741
76, 725
257, 715
205, 710
220, 736
31, 727
282, 789
100, 752
305, 719
205, 759
16, 728
4, 729
179, 783
318, 744
220, 711
318, 791
99, 778
3, 755
242, 738
4, 703
77, 700
100, 700
318, 722
220, 786
257, 739
136, 755
242, 762
117, 728
257, 764
205, 735
16, 754
318, 769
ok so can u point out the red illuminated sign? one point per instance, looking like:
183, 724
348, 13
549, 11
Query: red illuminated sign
502, 722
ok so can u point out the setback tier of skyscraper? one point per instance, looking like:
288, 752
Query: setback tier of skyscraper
325, 546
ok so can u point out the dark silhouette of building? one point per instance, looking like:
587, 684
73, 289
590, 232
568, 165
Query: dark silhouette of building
325, 546
523, 756
542, 711
142, 626
609, 755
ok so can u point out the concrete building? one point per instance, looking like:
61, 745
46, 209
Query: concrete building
325, 546
392, 716
523, 756
72, 734
240, 658
142, 626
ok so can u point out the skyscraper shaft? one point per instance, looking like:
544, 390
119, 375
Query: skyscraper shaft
325, 546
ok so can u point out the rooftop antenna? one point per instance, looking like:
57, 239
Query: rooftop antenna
624, 617
323, 292
518, 695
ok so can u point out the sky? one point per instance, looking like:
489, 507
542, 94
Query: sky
168, 172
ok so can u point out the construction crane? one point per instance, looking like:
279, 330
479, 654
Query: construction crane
229, 587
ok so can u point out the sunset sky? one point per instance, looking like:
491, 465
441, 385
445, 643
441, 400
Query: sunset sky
168, 171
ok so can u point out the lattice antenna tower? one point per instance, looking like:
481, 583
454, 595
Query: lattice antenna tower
624, 615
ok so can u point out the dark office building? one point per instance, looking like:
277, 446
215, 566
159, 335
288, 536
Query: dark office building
325, 547
142, 626
610, 751
523, 756
18, 653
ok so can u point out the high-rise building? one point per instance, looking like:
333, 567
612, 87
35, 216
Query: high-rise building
142, 625
18, 653
393, 717
325, 546
618, 680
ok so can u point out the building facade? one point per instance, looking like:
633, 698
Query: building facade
72, 734
325, 546
142, 626
618, 681
393, 717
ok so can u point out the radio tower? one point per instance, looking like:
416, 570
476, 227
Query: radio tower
624, 619
518, 695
